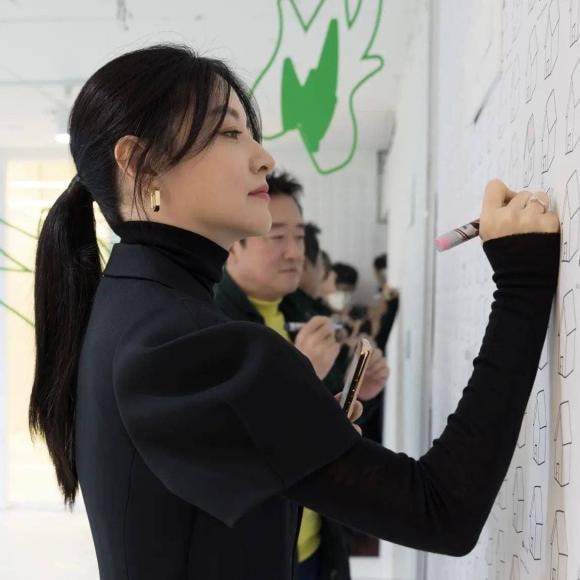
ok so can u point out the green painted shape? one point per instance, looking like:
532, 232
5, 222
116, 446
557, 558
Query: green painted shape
306, 24
310, 107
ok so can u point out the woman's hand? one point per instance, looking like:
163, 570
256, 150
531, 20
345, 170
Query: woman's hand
357, 409
505, 212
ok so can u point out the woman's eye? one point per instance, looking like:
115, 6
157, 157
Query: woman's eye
232, 134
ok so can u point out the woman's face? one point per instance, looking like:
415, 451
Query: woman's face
210, 193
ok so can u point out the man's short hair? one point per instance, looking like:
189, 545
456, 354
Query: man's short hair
345, 274
311, 244
380, 262
282, 183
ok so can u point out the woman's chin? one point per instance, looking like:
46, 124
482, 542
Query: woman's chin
260, 227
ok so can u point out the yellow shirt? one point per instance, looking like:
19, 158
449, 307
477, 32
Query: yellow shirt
309, 535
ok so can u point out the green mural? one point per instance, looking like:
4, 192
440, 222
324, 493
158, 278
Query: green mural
310, 107
10, 264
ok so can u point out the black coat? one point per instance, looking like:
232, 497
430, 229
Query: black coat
298, 307
194, 434
190, 427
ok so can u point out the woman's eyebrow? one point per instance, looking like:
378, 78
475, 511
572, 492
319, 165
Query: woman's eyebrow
229, 111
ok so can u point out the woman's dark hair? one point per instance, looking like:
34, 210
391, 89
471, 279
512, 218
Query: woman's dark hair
174, 103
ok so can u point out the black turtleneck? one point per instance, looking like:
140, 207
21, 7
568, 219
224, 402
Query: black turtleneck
200, 256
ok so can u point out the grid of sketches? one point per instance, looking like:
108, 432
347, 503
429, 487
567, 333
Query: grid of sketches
518, 500
559, 548
567, 335
529, 149
563, 445
532, 68
536, 524
540, 429
572, 112
570, 218
552, 38
549, 133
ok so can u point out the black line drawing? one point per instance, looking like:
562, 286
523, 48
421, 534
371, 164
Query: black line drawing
544, 356
570, 220
563, 445
549, 133
501, 499
531, 5
529, 149
489, 551
532, 68
567, 335
519, 500
514, 89
536, 524
552, 38
523, 436
540, 429
500, 556
574, 21
559, 548
572, 134
515, 569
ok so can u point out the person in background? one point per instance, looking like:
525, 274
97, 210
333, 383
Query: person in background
260, 272
384, 306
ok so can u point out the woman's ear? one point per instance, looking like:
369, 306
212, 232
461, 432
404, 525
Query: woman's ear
127, 155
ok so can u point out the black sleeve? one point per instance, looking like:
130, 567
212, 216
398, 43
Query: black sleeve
226, 416
440, 502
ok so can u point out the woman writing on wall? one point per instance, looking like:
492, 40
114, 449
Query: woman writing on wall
192, 436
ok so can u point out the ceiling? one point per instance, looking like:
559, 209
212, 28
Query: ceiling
49, 48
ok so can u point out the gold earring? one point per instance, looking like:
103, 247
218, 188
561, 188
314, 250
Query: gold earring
155, 199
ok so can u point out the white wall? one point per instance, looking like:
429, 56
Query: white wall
468, 155
409, 248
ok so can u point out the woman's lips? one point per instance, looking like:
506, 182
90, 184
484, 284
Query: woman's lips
262, 195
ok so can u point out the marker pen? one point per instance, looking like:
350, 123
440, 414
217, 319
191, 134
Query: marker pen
296, 326
457, 236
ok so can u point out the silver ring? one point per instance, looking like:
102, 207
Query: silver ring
538, 200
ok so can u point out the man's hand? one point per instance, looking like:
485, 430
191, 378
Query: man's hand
316, 340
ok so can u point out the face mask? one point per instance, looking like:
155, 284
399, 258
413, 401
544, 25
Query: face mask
339, 299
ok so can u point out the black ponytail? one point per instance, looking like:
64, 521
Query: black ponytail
164, 96
68, 269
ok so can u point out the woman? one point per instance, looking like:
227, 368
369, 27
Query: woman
191, 435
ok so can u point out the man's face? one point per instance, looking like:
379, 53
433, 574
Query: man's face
270, 266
